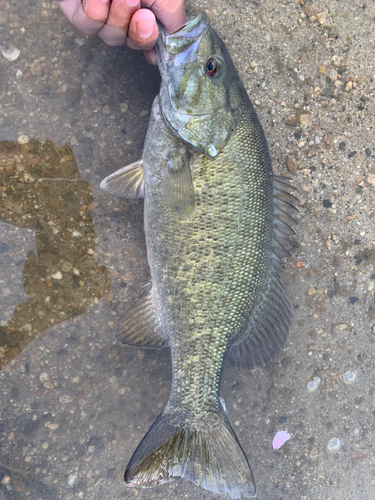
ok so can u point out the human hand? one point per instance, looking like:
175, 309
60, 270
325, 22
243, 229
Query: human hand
123, 21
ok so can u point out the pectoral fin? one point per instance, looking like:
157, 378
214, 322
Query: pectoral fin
128, 182
177, 186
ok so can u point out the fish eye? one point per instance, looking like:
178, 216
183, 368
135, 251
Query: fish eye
212, 67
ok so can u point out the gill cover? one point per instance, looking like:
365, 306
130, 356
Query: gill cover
197, 74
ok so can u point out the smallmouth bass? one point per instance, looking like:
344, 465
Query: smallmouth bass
216, 224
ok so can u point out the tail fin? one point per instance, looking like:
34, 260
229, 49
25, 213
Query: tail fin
210, 457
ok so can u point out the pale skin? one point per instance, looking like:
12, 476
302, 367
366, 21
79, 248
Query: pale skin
120, 22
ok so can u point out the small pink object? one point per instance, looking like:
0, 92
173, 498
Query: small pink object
280, 438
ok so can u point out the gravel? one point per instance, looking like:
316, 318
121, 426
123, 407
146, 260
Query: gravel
73, 403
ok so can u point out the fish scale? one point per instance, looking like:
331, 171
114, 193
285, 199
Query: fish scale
216, 221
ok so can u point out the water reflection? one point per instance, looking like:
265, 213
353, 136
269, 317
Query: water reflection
41, 189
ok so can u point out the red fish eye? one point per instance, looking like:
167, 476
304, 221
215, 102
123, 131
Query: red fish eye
212, 67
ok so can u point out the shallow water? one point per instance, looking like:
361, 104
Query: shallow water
73, 403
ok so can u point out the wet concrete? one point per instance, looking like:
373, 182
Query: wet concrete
73, 403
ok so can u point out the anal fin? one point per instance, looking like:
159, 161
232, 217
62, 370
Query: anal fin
140, 327
128, 182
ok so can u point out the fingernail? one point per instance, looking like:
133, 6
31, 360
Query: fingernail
145, 29
132, 3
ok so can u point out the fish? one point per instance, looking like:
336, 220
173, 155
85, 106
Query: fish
217, 224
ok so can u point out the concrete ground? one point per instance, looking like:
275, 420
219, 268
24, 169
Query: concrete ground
73, 403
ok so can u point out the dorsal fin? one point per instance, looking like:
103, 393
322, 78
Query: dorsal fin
264, 335
283, 202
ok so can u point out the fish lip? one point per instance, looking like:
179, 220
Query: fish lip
180, 39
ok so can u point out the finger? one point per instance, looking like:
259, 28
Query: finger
97, 10
171, 13
150, 56
143, 31
121, 12
76, 15
112, 35
117, 25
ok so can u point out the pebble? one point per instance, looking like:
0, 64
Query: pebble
351, 154
43, 377
124, 107
304, 120
57, 275
368, 151
333, 32
333, 75
11, 53
72, 479
80, 41
291, 166
52, 426
36, 68
311, 291
340, 328
327, 92
371, 180
321, 18
66, 266
65, 399
322, 69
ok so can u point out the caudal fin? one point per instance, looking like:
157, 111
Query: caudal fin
210, 457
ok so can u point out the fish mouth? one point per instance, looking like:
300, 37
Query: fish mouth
182, 41
174, 51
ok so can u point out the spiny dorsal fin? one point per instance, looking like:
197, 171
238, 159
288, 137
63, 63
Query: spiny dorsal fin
127, 182
177, 186
140, 326
267, 328
283, 202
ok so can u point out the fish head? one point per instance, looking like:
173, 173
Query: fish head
195, 97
